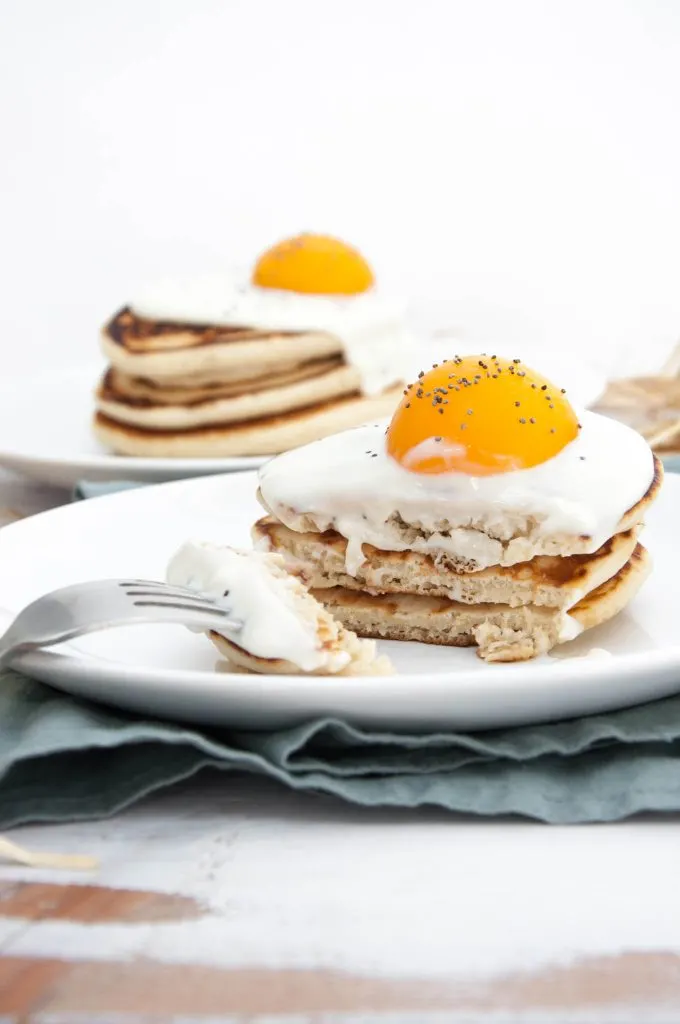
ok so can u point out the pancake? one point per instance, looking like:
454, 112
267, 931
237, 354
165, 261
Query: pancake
550, 582
266, 436
277, 399
521, 541
160, 350
364, 661
144, 392
500, 633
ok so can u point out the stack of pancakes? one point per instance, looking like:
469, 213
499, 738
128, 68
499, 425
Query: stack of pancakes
511, 612
182, 390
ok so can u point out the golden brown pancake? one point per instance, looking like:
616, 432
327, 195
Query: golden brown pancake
246, 405
500, 632
545, 581
364, 660
166, 350
137, 334
145, 393
266, 436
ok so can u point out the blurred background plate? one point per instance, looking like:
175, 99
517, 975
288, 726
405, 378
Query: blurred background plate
45, 434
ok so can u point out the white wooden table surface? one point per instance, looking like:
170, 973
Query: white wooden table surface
231, 899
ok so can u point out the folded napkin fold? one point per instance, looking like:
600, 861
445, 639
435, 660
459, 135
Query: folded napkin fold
65, 759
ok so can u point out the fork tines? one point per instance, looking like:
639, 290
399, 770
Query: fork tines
166, 595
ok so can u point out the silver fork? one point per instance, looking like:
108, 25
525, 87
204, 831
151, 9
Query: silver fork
88, 607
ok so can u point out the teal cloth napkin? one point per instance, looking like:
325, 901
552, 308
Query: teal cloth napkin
94, 489
64, 759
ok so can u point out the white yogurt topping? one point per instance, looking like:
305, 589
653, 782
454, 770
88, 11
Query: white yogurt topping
371, 330
350, 484
276, 612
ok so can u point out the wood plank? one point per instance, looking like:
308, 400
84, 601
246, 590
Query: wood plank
47, 901
20, 497
636, 982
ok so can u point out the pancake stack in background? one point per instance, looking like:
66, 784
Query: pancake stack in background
255, 365
488, 516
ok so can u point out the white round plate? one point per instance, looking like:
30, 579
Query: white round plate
45, 434
170, 672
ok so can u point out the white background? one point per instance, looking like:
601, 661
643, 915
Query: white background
513, 165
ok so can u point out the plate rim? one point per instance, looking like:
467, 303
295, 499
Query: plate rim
589, 667
99, 461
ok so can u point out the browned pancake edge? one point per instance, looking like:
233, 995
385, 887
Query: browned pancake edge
137, 334
246, 427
